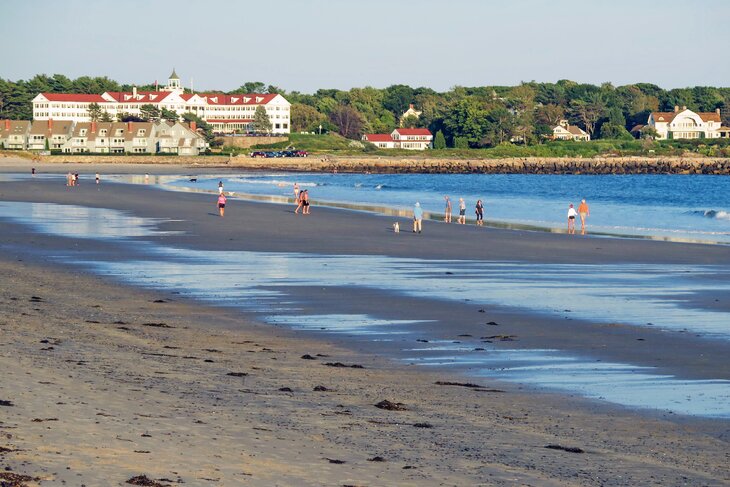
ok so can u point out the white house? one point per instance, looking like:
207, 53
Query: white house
14, 134
400, 138
411, 112
565, 131
686, 124
226, 113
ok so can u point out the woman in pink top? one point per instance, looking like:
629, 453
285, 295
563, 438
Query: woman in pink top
221, 204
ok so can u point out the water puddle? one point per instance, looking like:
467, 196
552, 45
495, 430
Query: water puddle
624, 384
80, 221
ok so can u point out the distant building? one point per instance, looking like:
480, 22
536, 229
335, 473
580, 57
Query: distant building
686, 124
14, 134
66, 136
411, 112
565, 131
400, 138
47, 134
226, 113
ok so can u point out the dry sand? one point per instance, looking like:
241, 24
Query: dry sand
104, 383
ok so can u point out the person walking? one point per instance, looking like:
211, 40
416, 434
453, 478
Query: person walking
220, 187
571, 219
296, 191
417, 218
479, 210
222, 204
98, 179
462, 212
447, 210
584, 213
305, 202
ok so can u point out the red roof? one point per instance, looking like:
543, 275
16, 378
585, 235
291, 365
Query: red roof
378, 137
413, 131
77, 97
229, 120
142, 96
236, 99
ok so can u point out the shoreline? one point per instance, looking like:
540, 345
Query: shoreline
403, 165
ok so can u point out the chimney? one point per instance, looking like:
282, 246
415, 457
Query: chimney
684, 107
129, 126
134, 91
410, 106
50, 124
93, 127
676, 108
194, 126
717, 110
7, 124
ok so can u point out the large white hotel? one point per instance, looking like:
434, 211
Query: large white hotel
225, 113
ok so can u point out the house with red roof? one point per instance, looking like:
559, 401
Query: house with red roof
686, 124
225, 113
400, 138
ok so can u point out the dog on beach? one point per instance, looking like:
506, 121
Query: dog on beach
396, 227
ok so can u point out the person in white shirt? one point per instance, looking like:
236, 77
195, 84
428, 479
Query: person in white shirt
571, 219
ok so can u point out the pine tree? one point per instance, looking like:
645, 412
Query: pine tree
261, 122
439, 142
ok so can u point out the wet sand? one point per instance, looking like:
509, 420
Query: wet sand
122, 385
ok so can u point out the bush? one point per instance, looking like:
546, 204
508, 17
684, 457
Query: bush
461, 143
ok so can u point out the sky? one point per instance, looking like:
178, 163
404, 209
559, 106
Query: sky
304, 45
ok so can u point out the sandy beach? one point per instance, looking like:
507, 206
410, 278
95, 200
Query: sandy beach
103, 382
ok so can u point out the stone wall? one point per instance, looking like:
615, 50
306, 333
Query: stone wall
605, 165
328, 163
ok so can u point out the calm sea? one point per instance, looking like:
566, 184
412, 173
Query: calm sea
677, 207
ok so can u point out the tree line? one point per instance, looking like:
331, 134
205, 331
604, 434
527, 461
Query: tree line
460, 117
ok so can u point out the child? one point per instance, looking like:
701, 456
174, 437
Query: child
221, 204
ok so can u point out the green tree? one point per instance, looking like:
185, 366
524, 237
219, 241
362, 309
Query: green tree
409, 122
251, 87
467, 119
106, 117
549, 114
169, 114
261, 121
149, 112
305, 118
588, 112
439, 141
94, 112
348, 121
397, 98
461, 143
501, 125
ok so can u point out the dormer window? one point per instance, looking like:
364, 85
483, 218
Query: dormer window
82, 132
102, 132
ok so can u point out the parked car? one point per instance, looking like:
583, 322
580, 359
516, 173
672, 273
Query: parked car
258, 153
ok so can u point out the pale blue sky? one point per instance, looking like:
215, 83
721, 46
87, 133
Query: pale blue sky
308, 44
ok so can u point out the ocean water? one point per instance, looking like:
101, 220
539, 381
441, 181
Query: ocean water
669, 207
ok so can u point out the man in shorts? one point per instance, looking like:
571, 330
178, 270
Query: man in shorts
462, 212
584, 213
417, 217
